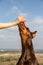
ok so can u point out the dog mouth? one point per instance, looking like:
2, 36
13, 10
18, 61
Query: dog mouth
22, 26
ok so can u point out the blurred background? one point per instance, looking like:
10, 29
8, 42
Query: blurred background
32, 10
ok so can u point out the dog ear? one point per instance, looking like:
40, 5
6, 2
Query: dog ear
33, 34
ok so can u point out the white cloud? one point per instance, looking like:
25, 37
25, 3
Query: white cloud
38, 20
35, 24
6, 36
2, 36
15, 10
11, 11
13, 28
24, 14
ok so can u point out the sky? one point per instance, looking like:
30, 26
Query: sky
32, 10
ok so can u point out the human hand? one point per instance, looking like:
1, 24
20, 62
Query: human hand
21, 19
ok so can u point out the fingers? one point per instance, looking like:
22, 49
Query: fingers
21, 19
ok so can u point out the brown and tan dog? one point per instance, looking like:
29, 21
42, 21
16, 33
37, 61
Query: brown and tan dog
28, 54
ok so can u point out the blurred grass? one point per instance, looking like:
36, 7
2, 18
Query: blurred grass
11, 59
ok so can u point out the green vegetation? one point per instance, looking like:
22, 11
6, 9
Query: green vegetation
12, 64
4, 59
12, 58
41, 64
